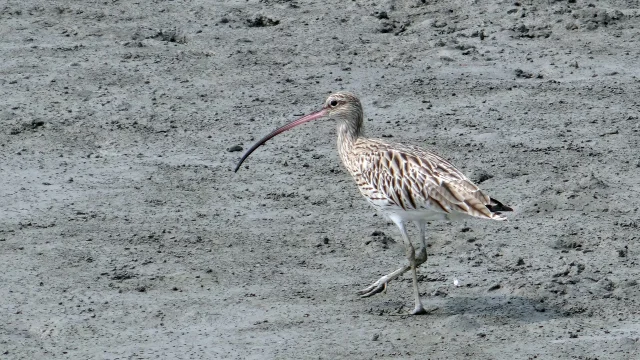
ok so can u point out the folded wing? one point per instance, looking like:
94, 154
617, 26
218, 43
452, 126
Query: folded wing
412, 178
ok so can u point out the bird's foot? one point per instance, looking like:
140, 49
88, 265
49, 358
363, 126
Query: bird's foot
418, 310
377, 287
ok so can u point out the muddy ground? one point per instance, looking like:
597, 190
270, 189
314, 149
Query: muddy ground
125, 234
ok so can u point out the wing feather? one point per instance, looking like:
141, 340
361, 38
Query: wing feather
413, 179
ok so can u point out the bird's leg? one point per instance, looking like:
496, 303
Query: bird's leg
411, 256
380, 285
422, 252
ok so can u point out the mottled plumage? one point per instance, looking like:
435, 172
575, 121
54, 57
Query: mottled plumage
404, 182
396, 177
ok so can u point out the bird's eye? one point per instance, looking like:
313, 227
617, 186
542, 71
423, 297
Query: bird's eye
333, 103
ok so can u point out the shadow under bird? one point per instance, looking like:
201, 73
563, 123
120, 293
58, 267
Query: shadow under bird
405, 183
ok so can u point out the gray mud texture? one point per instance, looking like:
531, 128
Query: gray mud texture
125, 233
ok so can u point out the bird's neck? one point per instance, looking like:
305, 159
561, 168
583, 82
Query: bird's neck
347, 136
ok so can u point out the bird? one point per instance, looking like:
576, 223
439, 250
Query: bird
403, 182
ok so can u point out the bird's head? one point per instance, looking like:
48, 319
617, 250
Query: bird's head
342, 106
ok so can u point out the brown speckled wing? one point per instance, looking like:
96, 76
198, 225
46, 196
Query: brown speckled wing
410, 178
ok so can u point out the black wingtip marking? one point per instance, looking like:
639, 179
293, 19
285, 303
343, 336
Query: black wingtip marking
497, 206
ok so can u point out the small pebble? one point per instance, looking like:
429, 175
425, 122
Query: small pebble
235, 148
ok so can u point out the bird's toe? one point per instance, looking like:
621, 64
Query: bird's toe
375, 288
418, 310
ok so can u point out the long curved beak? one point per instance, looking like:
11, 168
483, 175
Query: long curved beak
291, 125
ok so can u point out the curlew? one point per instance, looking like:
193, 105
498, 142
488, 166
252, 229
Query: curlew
405, 183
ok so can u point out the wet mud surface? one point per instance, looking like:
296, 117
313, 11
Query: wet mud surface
124, 232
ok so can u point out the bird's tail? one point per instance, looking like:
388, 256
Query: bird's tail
496, 208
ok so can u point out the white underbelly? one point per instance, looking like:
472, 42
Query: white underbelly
424, 214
